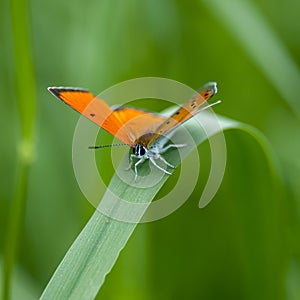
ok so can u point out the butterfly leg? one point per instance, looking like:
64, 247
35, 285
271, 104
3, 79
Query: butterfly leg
172, 146
159, 167
135, 167
130, 162
164, 150
166, 162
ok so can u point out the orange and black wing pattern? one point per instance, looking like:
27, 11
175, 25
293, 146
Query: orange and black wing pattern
125, 123
186, 111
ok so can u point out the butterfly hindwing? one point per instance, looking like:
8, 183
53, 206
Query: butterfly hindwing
138, 122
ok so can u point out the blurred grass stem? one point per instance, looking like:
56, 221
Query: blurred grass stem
25, 95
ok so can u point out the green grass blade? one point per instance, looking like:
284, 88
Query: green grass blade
82, 272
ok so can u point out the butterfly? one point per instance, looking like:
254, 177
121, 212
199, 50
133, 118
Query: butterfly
146, 133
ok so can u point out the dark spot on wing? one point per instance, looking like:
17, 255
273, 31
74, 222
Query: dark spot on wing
193, 104
92, 115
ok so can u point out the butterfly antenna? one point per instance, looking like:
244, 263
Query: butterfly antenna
106, 146
210, 105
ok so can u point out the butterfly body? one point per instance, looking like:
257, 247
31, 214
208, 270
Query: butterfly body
146, 133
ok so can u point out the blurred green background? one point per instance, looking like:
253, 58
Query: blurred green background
245, 243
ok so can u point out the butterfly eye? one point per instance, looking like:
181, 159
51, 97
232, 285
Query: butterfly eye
142, 151
139, 150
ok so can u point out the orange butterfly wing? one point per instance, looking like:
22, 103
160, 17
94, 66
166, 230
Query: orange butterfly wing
131, 126
185, 112
138, 122
125, 123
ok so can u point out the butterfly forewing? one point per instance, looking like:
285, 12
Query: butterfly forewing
185, 112
125, 123
93, 108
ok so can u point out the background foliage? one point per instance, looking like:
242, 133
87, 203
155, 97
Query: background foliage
245, 244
